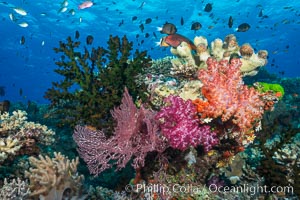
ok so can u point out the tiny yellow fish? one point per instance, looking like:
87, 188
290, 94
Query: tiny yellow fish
212, 153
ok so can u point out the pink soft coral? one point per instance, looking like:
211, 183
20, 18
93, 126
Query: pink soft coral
180, 126
227, 96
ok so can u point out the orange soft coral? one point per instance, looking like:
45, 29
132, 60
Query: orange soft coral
226, 95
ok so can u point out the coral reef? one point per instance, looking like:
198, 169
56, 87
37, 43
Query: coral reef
216, 49
287, 156
93, 81
190, 90
234, 171
231, 44
189, 121
55, 178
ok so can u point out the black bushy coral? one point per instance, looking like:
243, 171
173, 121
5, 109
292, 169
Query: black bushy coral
93, 81
276, 174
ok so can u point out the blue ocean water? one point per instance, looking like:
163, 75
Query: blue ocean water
27, 69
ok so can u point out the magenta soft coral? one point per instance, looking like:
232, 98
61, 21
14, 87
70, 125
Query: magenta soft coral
180, 126
227, 96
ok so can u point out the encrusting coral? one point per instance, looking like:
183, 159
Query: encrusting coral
55, 178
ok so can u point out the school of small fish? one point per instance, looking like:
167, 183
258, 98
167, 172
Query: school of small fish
232, 22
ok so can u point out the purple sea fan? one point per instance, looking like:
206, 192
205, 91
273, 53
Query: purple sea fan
135, 135
179, 125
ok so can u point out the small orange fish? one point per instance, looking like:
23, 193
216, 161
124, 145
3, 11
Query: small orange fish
278, 94
86, 4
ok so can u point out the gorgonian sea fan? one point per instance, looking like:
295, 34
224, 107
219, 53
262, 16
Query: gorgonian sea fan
136, 134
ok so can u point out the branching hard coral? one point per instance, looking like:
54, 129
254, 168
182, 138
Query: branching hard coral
18, 136
183, 68
93, 81
9, 146
180, 126
135, 135
55, 178
16, 189
12, 122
